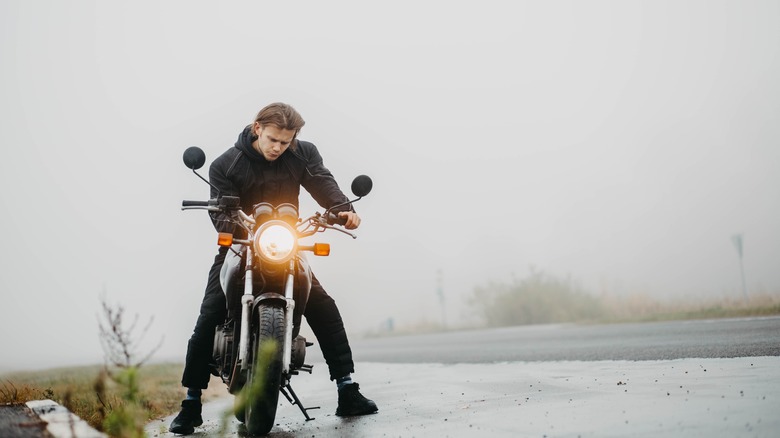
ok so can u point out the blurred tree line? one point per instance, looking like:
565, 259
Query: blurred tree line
538, 298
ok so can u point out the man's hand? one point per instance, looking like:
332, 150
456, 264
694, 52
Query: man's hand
353, 220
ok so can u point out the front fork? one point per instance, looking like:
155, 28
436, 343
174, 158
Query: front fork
246, 311
288, 318
247, 300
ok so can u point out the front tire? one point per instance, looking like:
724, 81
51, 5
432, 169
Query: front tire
265, 374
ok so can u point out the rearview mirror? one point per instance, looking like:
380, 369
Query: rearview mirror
362, 185
194, 158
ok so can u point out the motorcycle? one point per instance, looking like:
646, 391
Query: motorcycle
266, 280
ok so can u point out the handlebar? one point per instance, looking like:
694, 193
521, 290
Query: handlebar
224, 202
227, 204
336, 219
195, 203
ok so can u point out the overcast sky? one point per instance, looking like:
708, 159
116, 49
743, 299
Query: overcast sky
620, 143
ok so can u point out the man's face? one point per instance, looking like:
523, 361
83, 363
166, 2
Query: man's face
272, 141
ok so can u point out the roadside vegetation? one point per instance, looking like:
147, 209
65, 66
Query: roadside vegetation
536, 299
121, 397
116, 398
91, 395
541, 298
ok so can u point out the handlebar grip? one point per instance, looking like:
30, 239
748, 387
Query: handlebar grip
194, 203
336, 219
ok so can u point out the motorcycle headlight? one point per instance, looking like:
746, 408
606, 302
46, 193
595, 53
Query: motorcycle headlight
275, 242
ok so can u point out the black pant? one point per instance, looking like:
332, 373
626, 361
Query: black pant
321, 313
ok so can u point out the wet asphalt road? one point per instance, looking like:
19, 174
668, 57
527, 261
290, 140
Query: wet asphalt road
653, 379
19, 421
720, 338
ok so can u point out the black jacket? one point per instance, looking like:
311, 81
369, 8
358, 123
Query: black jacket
242, 171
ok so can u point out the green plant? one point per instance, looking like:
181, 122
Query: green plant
122, 417
127, 419
265, 354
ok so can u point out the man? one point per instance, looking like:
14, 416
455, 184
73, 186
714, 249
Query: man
269, 164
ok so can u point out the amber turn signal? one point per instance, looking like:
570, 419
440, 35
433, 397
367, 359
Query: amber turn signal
225, 239
321, 249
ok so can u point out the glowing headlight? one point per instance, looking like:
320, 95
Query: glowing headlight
275, 242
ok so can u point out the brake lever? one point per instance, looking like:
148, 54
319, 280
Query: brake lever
331, 227
320, 221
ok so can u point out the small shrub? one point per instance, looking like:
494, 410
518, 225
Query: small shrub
125, 416
538, 298
126, 419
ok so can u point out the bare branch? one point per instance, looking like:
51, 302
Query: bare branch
119, 344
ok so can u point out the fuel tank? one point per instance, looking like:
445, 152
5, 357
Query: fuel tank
231, 276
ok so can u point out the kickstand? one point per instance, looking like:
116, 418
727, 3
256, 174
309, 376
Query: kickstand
292, 398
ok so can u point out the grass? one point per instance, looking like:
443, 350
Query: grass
75, 388
640, 308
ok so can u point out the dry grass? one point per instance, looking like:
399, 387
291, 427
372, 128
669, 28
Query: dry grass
75, 388
639, 308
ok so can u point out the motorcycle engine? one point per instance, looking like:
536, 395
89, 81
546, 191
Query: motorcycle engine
298, 352
223, 349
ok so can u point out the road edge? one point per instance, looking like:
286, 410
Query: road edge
61, 423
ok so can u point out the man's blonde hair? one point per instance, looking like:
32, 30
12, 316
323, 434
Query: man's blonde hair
283, 116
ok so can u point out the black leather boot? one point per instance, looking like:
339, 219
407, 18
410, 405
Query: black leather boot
188, 418
352, 402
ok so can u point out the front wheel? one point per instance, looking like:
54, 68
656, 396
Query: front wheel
265, 374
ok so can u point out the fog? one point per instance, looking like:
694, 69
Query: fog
622, 144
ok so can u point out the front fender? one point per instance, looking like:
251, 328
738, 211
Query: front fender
270, 298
